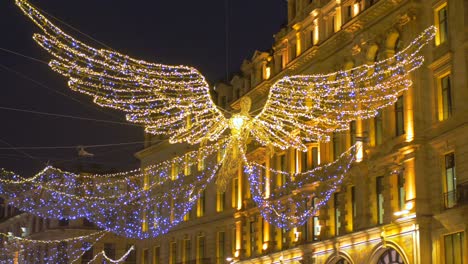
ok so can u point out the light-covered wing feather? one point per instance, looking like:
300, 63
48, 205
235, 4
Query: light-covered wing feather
170, 100
309, 107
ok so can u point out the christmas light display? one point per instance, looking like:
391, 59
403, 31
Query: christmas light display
16, 249
125, 205
175, 101
104, 256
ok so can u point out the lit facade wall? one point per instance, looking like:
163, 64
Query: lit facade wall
406, 198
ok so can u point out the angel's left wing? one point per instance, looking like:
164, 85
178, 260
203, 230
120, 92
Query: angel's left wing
170, 100
309, 107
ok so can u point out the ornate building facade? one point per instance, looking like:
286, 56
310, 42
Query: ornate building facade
405, 202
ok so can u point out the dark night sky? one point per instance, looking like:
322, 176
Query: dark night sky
171, 32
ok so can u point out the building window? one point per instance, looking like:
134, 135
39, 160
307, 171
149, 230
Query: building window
401, 191
145, 256
131, 258
173, 253
380, 199
200, 249
63, 222
336, 146
220, 201
187, 251
450, 181
399, 117
109, 249
157, 255
220, 249
252, 237
445, 101
88, 252
304, 161
353, 206
390, 256
454, 248
441, 22
378, 128
352, 132
201, 204
315, 157
283, 167
336, 206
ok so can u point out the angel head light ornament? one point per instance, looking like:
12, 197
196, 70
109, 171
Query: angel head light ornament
175, 101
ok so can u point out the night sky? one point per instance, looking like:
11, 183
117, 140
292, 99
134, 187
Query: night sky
170, 32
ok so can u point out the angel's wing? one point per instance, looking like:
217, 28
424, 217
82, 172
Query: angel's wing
170, 100
308, 107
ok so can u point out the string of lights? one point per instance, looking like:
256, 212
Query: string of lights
110, 260
289, 205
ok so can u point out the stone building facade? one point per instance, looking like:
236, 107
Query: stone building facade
406, 202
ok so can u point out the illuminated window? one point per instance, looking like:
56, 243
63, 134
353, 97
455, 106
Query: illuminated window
235, 190
450, 181
454, 248
220, 248
399, 117
336, 206
317, 227
445, 101
263, 178
187, 250
441, 22
200, 249
157, 255
380, 199
390, 256
378, 128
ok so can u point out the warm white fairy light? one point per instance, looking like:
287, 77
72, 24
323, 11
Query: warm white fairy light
120, 260
317, 105
175, 101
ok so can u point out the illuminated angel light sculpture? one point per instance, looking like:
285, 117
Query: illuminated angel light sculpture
175, 101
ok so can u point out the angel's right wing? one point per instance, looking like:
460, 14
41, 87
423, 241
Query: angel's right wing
309, 107
170, 100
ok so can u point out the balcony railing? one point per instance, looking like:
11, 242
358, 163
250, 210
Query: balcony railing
457, 197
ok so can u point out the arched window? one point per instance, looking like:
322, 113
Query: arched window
342, 261
391, 256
